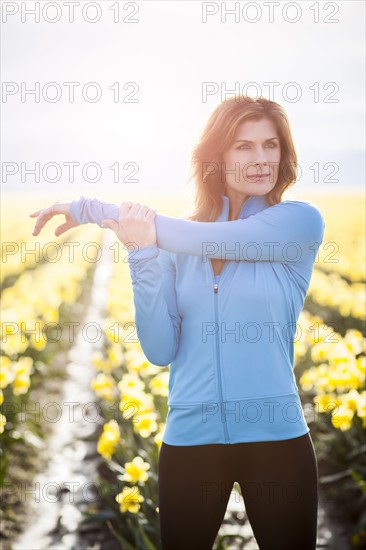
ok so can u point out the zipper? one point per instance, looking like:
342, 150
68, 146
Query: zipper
223, 417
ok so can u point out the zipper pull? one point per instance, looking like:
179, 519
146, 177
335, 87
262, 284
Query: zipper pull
216, 287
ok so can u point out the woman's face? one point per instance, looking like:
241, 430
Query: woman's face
251, 163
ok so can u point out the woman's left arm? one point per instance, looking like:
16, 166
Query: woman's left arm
288, 232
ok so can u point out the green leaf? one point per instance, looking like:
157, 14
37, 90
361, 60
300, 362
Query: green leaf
335, 477
114, 466
97, 516
120, 538
361, 483
145, 538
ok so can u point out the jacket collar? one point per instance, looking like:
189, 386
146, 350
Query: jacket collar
253, 205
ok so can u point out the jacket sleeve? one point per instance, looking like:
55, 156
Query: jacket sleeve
156, 312
288, 232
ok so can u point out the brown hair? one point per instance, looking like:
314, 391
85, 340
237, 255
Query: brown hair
218, 135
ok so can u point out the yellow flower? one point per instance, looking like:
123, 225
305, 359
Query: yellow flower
4, 361
136, 360
159, 385
326, 402
100, 363
136, 471
300, 348
6, 372
1, 397
129, 500
136, 402
307, 379
350, 399
115, 355
361, 407
21, 384
104, 386
355, 340
109, 439
23, 366
340, 352
361, 364
158, 438
342, 419
130, 382
14, 344
319, 352
145, 424
37, 342
2, 423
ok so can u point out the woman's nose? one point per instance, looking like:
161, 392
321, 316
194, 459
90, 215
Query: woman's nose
260, 156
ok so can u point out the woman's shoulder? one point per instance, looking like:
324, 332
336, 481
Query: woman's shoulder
300, 214
305, 206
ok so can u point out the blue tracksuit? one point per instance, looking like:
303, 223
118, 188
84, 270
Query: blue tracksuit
229, 339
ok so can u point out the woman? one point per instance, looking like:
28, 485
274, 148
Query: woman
217, 297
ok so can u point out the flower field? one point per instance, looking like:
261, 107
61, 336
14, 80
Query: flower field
43, 282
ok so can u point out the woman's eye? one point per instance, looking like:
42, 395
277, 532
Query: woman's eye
269, 145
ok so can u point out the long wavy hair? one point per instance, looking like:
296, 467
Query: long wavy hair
215, 139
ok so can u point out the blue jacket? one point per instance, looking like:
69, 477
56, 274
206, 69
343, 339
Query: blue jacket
229, 339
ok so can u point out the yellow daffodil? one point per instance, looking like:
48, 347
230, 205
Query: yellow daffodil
158, 438
130, 382
104, 386
109, 439
145, 424
159, 384
342, 418
129, 500
2, 423
136, 471
100, 363
136, 402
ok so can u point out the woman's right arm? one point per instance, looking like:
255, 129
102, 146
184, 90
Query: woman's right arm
92, 210
152, 273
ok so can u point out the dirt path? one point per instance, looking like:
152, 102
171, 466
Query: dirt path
65, 488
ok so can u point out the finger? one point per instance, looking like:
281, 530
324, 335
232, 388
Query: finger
150, 215
64, 227
43, 218
124, 209
142, 212
45, 210
148, 211
134, 210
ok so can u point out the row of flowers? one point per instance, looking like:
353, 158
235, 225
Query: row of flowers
22, 253
333, 291
30, 314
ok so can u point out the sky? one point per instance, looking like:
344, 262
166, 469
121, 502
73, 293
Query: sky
148, 74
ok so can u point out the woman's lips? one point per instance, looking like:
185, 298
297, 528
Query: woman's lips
258, 177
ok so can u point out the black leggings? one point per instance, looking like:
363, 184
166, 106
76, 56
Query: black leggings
278, 481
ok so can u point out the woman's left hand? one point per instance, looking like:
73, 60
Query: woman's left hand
136, 224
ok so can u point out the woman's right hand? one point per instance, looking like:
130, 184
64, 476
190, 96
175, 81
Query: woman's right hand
46, 214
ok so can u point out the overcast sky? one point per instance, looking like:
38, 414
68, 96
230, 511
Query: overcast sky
168, 64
